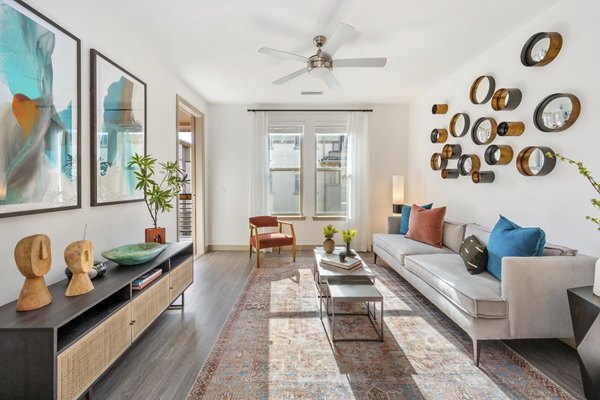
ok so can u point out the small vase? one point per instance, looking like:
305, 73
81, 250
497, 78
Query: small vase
329, 245
597, 279
155, 235
349, 251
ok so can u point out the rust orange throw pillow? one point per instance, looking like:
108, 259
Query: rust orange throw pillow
426, 226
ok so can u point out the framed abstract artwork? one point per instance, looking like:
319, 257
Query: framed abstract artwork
118, 127
39, 113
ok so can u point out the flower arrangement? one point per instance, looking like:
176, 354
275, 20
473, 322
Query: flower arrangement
588, 175
348, 235
329, 231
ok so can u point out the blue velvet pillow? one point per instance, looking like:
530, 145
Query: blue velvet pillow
405, 219
510, 240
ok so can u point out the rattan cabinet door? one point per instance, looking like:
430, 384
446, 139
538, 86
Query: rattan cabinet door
82, 363
180, 278
149, 305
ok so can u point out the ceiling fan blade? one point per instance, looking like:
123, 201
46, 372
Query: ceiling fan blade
342, 33
330, 81
291, 76
360, 62
282, 54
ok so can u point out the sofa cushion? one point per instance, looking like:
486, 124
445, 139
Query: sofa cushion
510, 240
474, 255
554, 250
399, 246
405, 218
454, 232
427, 226
477, 295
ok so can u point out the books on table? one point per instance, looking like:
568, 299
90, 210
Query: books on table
146, 279
333, 260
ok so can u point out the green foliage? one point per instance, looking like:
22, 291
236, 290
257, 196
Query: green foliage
157, 195
348, 235
586, 173
329, 231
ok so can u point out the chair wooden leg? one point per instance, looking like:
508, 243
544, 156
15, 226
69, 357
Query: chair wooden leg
294, 251
279, 250
250, 251
257, 258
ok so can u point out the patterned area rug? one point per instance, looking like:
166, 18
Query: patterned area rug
275, 346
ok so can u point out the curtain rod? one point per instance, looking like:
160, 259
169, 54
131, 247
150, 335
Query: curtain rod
305, 110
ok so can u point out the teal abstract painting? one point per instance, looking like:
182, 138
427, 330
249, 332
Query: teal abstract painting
39, 113
118, 131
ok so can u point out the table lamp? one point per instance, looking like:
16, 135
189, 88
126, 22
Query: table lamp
397, 193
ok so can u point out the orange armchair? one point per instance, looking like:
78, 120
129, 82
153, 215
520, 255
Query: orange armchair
271, 239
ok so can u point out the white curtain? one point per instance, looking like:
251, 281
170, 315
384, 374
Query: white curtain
260, 190
358, 174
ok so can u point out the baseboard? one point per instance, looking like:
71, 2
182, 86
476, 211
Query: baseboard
244, 247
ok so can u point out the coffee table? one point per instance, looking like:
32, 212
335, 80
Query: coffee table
324, 273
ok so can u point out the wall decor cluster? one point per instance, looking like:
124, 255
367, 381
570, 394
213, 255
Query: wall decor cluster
118, 112
555, 113
40, 119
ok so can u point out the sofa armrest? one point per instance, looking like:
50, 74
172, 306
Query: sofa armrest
393, 224
536, 291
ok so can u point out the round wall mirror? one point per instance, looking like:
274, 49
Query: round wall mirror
468, 163
506, 99
511, 128
483, 177
482, 89
484, 130
541, 49
438, 162
439, 109
557, 112
439, 136
533, 161
459, 124
498, 154
449, 173
451, 151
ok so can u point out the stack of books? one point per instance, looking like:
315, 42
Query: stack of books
146, 279
333, 260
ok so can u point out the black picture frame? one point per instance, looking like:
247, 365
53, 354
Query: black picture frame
73, 138
96, 95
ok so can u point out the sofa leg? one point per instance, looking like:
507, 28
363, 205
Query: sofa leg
476, 351
375, 258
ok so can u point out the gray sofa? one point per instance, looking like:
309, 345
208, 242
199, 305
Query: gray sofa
529, 302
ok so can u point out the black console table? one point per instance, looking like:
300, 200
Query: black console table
585, 315
59, 351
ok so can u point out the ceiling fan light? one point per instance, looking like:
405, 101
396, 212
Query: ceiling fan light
319, 72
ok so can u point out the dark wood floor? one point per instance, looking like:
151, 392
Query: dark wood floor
165, 361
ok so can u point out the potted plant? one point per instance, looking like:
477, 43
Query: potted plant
347, 236
329, 244
159, 191
595, 202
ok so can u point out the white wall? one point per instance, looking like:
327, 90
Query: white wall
108, 226
228, 158
557, 202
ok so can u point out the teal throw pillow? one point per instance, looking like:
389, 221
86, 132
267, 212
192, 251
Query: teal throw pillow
510, 240
405, 219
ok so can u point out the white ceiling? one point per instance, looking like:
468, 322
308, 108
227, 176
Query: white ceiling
212, 44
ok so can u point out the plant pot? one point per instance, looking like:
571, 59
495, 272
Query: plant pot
597, 279
329, 246
349, 251
157, 235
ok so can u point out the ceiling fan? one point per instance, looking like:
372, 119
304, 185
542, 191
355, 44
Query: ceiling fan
321, 64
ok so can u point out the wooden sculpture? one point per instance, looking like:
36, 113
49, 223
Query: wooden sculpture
79, 257
33, 258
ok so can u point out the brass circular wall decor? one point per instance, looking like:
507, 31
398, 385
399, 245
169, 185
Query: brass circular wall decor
439, 109
510, 128
438, 162
468, 163
451, 151
449, 173
498, 154
483, 177
533, 161
482, 89
506, 99
541, 49
459, 124
439, 135
557, 112
484, 130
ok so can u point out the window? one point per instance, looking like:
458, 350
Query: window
331, 175
285, 164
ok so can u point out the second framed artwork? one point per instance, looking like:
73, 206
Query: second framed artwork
118, 128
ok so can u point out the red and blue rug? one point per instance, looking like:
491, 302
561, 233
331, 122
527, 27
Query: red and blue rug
274, 346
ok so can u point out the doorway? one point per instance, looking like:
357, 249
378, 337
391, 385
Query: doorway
190, 156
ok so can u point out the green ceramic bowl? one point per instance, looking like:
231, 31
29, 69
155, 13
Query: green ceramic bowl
133, 254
